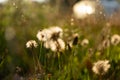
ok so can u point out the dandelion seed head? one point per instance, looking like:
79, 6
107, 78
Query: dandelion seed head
40, 35
115, 39
52, 38
53, 46
31, 43
44, 35
84, 42
57, 45
50, 44
50, 33
101, 67
46, 44
61, 44
56, 30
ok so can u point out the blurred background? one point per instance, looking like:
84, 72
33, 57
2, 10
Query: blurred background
20, 20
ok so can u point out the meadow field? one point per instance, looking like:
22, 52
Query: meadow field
51, 41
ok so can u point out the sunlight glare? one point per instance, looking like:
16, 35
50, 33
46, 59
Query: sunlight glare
83, 9
2, 1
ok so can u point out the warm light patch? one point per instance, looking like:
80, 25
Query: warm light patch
83, 9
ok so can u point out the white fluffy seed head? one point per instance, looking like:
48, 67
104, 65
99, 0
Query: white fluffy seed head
61, 44
44, 35
50, 44
101, 67
115, 39
50, 33
57, 45
53, 45
84, 42
56, 30
31, 43
52, 38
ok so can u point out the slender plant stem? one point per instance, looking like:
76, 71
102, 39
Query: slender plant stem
100, 77
40, 51
59, 60
37, 62
34, 61
108, 52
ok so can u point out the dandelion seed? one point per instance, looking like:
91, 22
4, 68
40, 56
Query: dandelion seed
84, 42
115, 39
31, 43
101, 67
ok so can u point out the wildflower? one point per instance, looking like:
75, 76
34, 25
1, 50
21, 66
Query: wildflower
50, 33
115, 39
56, 29
56, 32
61, 44
44, 35
47, 44
31, 43
101, 67
50, 44
84, 42
57, 45
53, 46
52, 38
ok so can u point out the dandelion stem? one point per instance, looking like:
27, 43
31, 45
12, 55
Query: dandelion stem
59, 60
100, 77
34, 61
38, 63
40, 51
